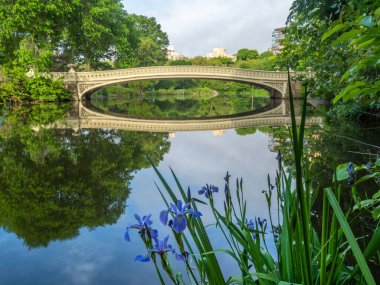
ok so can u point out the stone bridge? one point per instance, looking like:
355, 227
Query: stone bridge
87, 118
84, 83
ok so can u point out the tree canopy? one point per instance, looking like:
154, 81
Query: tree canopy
245, 54
51, 34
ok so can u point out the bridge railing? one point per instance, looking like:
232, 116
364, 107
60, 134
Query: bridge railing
165, 70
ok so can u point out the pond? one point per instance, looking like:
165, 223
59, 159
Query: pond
68, 193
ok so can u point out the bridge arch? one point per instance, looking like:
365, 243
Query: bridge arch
87, 82
274, 91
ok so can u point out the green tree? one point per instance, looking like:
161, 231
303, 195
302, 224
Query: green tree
43, 22
151, 42
266, 54
245, 54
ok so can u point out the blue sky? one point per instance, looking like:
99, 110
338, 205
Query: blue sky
196, 26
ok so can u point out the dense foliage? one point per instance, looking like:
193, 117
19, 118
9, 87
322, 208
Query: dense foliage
41, 36
339, 41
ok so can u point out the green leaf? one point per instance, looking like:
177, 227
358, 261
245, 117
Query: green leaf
367, 177
376, 195
353, 93
332, 31
345, 36
367, 21
377, 163
366, 44
341, 172
199, 201
264, 276
350, 238
376, 213
364, 204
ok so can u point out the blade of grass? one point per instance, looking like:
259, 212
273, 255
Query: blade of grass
350, 238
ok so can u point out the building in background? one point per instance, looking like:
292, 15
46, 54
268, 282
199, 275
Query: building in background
220, 52
277, 36
172, 55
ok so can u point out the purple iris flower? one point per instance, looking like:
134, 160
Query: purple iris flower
144, 227
179, 221
161, 247
208, 190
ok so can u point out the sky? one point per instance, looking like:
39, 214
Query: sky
195, 27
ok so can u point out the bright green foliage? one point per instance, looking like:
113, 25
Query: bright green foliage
245, 54
38, 88
149, 43
266, 62
41, 36
266, 54
97, 30
338, 40
42, 21
361, 79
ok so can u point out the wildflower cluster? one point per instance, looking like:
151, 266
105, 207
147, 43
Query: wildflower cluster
180, 216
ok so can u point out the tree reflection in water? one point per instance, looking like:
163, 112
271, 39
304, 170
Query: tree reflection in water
54, 182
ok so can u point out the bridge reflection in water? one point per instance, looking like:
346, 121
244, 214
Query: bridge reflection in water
87, 117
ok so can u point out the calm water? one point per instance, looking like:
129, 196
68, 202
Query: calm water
67, 195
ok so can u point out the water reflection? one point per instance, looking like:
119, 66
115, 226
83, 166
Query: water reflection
179, 107
55, 182
75, 191
180, 99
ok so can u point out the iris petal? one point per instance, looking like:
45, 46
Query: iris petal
187, 205
164, 217
166, 241
138, 218
154, 233
179, 224
179, 205
126, 236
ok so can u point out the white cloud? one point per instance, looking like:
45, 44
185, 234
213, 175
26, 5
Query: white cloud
196, 26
